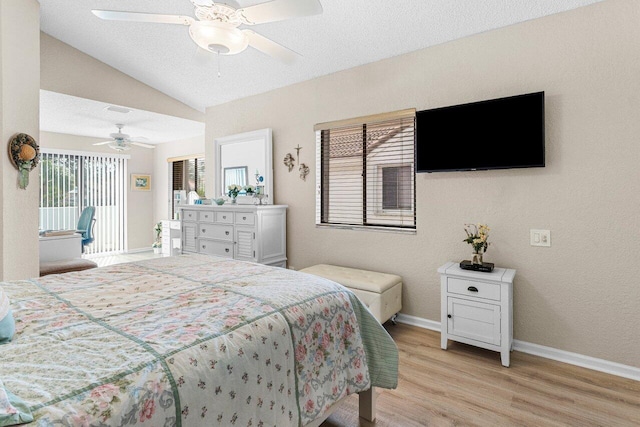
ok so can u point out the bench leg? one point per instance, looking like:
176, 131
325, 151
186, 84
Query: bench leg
367, 404
393, 319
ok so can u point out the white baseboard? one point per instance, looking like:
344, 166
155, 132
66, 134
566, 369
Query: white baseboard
576, 359
418, 321
139, 250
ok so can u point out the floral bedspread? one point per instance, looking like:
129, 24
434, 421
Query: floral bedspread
189, 341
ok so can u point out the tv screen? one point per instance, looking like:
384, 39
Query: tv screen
495, 134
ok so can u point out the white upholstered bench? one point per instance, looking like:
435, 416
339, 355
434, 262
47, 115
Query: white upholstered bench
380, 292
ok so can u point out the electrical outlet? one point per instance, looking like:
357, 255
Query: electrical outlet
540, 237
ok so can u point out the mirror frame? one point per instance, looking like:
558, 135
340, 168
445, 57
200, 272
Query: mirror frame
266, 137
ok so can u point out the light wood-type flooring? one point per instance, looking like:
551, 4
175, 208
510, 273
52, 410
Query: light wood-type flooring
467, 386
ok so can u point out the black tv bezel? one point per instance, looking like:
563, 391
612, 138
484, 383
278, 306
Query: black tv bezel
486, 101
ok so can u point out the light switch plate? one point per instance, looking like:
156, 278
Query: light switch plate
540, 237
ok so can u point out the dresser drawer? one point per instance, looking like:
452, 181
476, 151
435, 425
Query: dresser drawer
189, 215
224, 217
473, 289
245, 218
206, 216
215, 231
212, 247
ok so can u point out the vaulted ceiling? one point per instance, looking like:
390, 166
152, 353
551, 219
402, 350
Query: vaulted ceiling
345, 35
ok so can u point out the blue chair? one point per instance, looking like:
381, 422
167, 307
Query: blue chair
85, 225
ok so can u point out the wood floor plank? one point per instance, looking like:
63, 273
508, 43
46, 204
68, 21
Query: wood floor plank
467, 386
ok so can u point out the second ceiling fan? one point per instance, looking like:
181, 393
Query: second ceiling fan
123, 142
216, 27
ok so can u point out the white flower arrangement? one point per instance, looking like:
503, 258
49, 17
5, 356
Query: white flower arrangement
234, 189
249, 189
477, 235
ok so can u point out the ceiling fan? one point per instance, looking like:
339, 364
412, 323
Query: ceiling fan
216, 27
123, 142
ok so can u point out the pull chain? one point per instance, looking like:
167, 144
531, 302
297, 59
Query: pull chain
218, 63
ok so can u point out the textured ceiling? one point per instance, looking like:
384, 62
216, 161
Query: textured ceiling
78, 116
347, 34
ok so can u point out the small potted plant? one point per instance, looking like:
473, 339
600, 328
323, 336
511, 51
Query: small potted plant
157, 245
234, 189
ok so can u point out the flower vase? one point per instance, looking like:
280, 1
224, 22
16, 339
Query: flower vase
233, 199
476, 258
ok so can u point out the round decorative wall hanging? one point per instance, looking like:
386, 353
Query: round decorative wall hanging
25, 155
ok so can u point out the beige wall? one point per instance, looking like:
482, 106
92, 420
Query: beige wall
69, 71
19, 106
140, 233
161, 195
580, 295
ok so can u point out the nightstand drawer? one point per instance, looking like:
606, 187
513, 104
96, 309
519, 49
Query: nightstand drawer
473, 289
212, 231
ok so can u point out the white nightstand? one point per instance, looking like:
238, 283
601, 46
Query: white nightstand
477, 308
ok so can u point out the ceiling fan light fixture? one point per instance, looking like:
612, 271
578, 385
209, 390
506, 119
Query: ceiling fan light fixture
218, 37
120, 146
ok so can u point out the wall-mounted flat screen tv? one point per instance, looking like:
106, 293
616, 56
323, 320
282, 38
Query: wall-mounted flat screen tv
495, 134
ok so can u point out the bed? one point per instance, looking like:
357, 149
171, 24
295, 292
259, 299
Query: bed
191, 340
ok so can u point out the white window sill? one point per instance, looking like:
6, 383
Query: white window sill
379, 229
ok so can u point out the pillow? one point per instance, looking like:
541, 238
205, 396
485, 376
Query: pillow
7, 324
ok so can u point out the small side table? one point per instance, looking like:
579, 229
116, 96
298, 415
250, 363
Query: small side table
477, 308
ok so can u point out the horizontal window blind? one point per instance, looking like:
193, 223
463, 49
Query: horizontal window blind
365, 171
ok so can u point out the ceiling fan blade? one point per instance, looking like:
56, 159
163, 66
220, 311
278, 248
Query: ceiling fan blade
271, 48
277, 10
138, 139
114, 15
103, 142
140, 144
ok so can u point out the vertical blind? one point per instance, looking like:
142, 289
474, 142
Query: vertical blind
365, 171
69, 182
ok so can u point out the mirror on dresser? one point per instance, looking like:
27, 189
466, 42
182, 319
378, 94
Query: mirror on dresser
239, 157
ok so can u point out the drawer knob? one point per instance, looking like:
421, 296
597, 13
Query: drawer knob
224, 217
226, 233
244, 218
226, 250
449, 316
204, 231
204, 246
472, 289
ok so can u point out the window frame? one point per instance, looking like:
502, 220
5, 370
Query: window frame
185, 174
323, 135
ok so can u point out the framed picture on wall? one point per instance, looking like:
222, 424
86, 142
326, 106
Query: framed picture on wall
140, 182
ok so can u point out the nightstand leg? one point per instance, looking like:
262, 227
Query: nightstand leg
443, 341
505, 356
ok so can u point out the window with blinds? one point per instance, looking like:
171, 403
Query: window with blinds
186, 174
71, 181
365, 172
